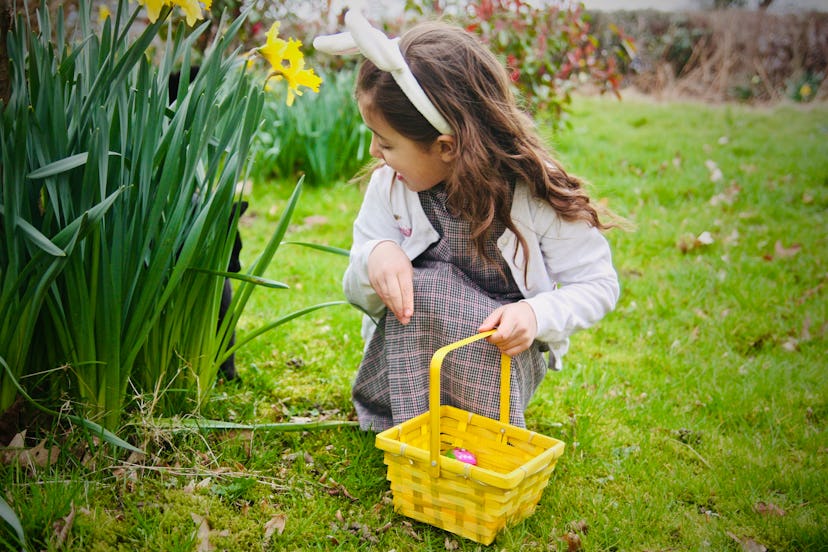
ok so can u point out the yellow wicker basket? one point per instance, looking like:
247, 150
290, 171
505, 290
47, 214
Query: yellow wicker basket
513, 464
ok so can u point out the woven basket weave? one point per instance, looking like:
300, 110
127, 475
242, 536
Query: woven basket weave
475, 502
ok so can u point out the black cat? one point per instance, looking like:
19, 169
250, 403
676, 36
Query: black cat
228, 367
175, 79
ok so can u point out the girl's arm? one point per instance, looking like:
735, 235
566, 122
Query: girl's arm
374, 224
571, 284
577, 258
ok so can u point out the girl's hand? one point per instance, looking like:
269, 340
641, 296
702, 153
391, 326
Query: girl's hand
392, 277
516, 326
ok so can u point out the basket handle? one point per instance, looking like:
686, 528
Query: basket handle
434, 392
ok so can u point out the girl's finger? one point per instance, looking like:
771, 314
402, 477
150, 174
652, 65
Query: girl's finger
406, 285
491, 321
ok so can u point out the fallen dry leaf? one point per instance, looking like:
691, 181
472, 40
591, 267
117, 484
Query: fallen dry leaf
361, 530
202, 533
573, 542
136, 457
748, 544
686, 243
334, 488
129, 477
63, 526
385, 527
811, 416
690, 242
580, 526
14, 448
408, 528
38, 456
677, 160
276, 525
727, 197
705, 238
714, 170
451, 544
791, 344
18, 441
90, 460
768, 509
780, 251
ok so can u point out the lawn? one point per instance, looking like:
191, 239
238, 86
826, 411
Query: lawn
694, 415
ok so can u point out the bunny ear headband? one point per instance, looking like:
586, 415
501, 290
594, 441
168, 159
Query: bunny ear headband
385, 54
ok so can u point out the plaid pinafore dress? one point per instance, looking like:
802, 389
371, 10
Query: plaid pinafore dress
454, 291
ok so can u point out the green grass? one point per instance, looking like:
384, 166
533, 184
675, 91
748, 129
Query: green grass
699, 400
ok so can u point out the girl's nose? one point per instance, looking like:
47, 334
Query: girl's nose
374, 148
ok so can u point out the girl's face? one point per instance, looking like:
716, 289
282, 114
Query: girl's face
418, 168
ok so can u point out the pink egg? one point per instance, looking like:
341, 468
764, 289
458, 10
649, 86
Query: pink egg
462, 455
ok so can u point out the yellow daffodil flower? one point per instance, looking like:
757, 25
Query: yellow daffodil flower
191, 8
103, 13
288, 62
274, 48
154, 8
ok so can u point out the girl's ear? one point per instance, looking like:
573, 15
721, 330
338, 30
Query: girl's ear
447, 147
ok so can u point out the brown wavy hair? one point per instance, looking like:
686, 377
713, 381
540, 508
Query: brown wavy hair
497, 143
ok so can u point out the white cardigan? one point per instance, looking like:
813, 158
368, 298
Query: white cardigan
570, 282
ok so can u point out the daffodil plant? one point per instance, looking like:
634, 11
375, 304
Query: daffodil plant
116, 210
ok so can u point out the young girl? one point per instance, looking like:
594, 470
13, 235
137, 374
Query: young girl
469, 224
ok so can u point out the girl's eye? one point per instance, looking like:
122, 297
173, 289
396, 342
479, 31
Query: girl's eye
379, 143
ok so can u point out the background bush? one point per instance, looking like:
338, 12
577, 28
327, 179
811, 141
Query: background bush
548, 51
722, 55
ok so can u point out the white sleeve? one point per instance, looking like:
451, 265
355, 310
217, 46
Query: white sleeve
374, 223
577, 258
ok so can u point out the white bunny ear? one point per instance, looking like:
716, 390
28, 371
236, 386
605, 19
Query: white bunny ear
386, 55
384, 52
337, 44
